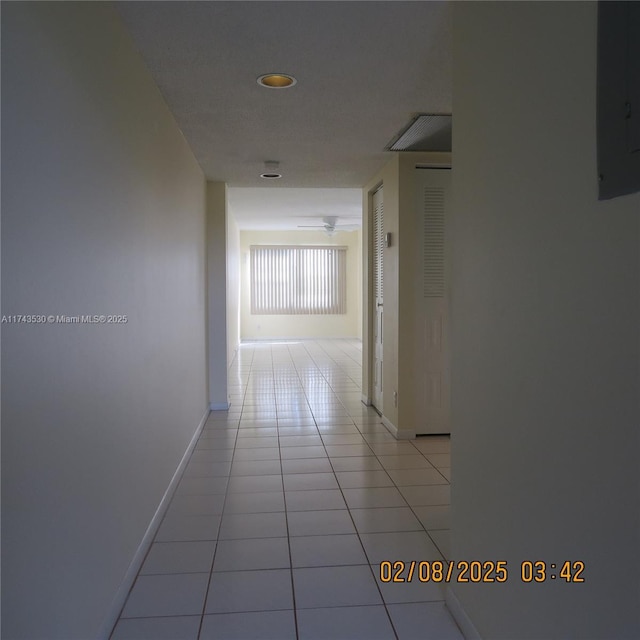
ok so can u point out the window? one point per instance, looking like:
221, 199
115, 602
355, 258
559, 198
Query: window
298, 280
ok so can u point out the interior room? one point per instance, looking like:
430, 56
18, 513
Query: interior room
320, 320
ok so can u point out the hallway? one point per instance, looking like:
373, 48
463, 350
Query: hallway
289, 503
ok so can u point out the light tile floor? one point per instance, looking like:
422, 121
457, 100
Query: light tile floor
287, 507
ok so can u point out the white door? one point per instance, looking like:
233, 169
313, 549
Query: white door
432, 303
378, 308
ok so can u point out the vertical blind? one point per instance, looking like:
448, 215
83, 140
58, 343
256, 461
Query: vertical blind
298, 280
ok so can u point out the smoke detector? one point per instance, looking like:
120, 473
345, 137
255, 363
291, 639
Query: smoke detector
271, 170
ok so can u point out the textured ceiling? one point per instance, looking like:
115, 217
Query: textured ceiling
265, 208
363, 70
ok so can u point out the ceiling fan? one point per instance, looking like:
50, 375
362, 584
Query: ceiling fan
330, 225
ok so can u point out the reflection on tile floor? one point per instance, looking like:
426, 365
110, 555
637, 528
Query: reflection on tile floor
290, 501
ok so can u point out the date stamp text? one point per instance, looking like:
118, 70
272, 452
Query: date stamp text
476, 571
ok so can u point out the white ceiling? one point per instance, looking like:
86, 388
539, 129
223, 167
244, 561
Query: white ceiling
363, 70
264, 208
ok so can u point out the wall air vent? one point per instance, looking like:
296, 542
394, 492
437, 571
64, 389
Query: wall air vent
426, 132
433, 242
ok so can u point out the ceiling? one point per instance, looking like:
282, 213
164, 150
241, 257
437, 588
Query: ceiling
363, 69
266, 208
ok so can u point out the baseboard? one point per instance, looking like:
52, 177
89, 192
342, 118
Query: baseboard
134, 567
391, 428
460, 616
219, 406
398, 434
366, 400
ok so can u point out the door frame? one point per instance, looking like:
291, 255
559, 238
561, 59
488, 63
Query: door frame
368, 362
377, 314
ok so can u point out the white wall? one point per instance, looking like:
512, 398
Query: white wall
545, 330
103, 213
233, 287
348, 325
217, 311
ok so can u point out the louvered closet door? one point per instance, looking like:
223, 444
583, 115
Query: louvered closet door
433, 381
378, 302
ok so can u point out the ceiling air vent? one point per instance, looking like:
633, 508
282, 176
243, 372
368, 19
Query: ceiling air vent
424, 133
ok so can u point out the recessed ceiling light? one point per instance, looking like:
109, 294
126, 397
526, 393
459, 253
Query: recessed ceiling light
276, 81
271, 170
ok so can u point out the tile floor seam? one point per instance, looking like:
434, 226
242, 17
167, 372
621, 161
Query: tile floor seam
382, 599
286, 517
215, 549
